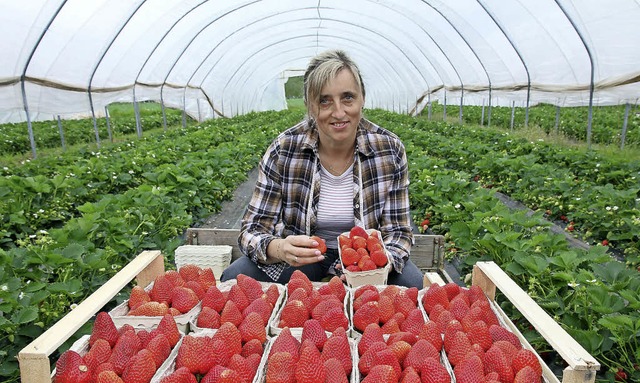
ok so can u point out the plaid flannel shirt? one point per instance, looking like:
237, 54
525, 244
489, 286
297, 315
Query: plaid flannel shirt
285, 200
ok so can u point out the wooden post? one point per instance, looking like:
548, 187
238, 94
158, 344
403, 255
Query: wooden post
34, 358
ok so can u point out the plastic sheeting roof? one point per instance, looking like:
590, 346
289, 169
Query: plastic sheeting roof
74, 57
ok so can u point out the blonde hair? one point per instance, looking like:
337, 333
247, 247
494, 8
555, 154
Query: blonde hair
323, 68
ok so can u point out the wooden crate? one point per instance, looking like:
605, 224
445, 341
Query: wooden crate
427, 252
581, 366
35, 366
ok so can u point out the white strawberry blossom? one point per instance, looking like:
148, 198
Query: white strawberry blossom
457, 206
5, 288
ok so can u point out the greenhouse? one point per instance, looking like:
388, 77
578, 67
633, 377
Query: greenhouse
127, 127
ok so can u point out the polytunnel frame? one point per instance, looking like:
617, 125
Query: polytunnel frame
106, 50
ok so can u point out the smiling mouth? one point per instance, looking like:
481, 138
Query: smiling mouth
340, 124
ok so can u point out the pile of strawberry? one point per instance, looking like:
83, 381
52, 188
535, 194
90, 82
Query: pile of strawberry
360, 251
392, 307
174, 292
226, 356
314, 357
245, 304
304, 302
476, 345
119, 355
404, 356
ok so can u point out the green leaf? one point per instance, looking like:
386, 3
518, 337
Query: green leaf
74, 251
603, 301
24, 315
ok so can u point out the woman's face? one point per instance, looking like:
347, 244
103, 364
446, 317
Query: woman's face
339, 110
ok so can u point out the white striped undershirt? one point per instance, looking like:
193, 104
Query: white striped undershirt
335, 207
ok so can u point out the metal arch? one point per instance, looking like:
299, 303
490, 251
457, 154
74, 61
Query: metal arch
135, 82
95, 68
25, 104
341, 21
468, 45
591, 83
515, 48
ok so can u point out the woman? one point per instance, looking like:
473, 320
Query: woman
321, 177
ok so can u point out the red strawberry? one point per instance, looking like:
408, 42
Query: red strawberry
344, 240
183, 299
231, 313
327, 303
387, 357
237, 296
150, 309
391, 326
180, 375
366, 296
349, 256
469, 370
273, 294
381, 374
479, 334
229, 376
527, 375
525, 357
281, 368
371, 334
261, 306
334, 318
140, 368
70, 368
414, 322
312, 330
434, 372
459, 307
334, 371
125, 348
196, 287
410, 375
214, 374
253, 362
299, 279
431, 333
501, 333
285, 342
137, 297
99, 353
175, 277
434, 295
403, 303
495, 360
108, 377
416, 356
460, 347
337, 287
379, 258
294, 314
358, 242
161, 290
195, 354
230, 337
254, 346
406, 336
251, 288
337, 346
310, 368
160, 349
104, 328
253, 327
452, 290
214, 298
508, 349
208, 318
104, 367
476, 294
367, 314
206, 279
322, 245
400, 349
366, 360
358, 231
169, 328
373, 244
190, 272
239, 364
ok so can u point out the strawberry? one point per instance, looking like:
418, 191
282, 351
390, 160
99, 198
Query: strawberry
367, 359
253, 346
229, 376
230, 337
280, 368
400, 349
214, 374
391, 326
180, 375
237, 296
387, 357
525, 357
137, 297
299, 279
416, 356
125, 348
253, 327
206, 279
495, 360
285, 342
312, 330
196, 287
479, 334
299, 294
337, 346
406, 336
410, 375
150, 309
251, 288
379, 258
328, 302
434, 372
99, 353
381, 374
160, 349
452, 290
310, 368
527, 375
358, 243
476, 294
273, 294
322, 245
414, 321
444, 319
508, 349
140, 368
231, 313
371, 334
434, 295
459, 307
334, 371
334, 318
195, 354
214, 298
104, 367
353, 268
373, 244
366, 296
367, 314
403, 303
104, 328
337, 287
175, 277
431, 333
253, 362
469, 370
161, 290
460, 347
344, 240
169, 328
190, 272
260, 306
208, 318
294, 314
183, 299
349, 256
501, 333
108, 377
70, 368
239, 364
358, 231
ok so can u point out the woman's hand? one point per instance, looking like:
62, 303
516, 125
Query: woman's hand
296, 250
